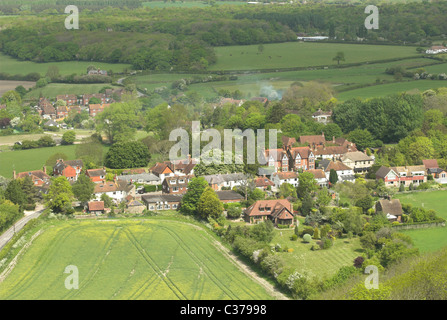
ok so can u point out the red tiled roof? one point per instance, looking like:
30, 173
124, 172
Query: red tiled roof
96, 206
430, 163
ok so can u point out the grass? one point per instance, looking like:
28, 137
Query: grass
32, 159
186, 4
391, 88
128, 260
54, 89
302, 54
13, 66
320, 263
428, 240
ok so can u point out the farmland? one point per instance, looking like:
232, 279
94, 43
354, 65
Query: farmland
54, 89
434, 238
6, 85
146, 259
13, 66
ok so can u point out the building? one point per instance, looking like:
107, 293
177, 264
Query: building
39, 177
96, 207
176, 184
95, 109
320, 177
135, 206
117, 190
280, 212
279, 178
156, 202
436, 50
358, 161
96, 175
226, 181
70, 169
391, 208
141, 178
344, 173
162, 170
229, 196
395, 176
322, 116
263, 183
70, 99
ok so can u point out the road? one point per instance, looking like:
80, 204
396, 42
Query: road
139, 94
5, 237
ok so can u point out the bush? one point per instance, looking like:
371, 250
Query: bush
308, 230
294, 237
326, 243
307, 238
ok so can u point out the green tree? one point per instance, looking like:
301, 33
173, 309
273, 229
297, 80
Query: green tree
69, 137
340, 56
191, 199
333, 177
83, 189
362, 138
209, 205
9, 213
60, 196
15, 194
323, 197
365, 203
307, 184
132, 154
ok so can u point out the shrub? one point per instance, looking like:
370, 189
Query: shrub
358, 262
307, 238
294, 237
308, 230
326, 243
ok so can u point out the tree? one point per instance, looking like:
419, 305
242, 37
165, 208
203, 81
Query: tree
133, 154
365, 203
9, 213
108, 203
191, 199
60, 196
287, 190
307, 184
362, 138
209, 205
83, 189
323, 197
340, 56
30, 191
68, 137
51, 161
14, 193
333, 177
46, 141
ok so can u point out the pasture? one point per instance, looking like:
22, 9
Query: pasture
13, 66
434, 238
129, 260
303, 54
54, 89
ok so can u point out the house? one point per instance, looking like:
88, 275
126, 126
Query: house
320, 177
96, 175
61, 112
280, 212
315, 140
51, 123
97, 72
279, 178
436, 50
358, 161
71, 169
227, 181
48, 112
39, 177
225, 101
301, 158
322, 116
141, 178
229, 196
176, 184
344, 172
135, 206
100, 96
96, 207
277, 159
395, 176
440, 175
155, 202
162, 170
70, 99
117, 190
263, 183
95, 109
391, 208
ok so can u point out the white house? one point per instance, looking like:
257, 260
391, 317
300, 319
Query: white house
344, 173
279, 178
117, 190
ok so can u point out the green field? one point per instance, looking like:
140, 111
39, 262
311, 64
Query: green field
391, 88
302, 54
434, 238
187, 4
54, 89
13, 66
33, 159
129, 260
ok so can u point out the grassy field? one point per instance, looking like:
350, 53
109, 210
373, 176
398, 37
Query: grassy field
54, 89
390, 88
187, 4
302, 54
33, 159
428, 240
129, 260
13, 66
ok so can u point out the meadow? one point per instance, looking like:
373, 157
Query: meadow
13, 66
303, 54
428, 240
32, 159
54, 89
129, 260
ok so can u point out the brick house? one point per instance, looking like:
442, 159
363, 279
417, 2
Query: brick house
96, 207
358, 161
71, 169
395, 176
39, 177
96, 175
280, 212
176, 184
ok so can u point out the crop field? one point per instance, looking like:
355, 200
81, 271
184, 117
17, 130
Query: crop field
128, 260
13, 66
302, 54
6, 85
434, 238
